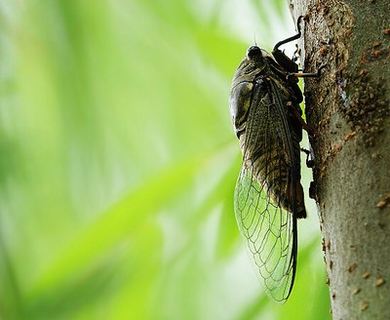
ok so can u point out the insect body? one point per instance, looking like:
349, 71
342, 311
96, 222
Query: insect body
264, 104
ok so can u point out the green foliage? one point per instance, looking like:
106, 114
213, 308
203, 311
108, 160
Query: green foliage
118, 165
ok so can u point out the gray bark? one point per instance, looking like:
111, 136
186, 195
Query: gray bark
348, 108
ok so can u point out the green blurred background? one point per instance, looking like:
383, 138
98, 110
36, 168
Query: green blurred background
118, 163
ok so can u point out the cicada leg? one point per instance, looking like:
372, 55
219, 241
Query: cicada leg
297, 36
309, 162
306, 74
297, 116
296, 54
285, 62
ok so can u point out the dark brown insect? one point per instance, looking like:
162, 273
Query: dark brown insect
264, 104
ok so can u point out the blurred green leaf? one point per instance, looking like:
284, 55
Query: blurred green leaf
118, 162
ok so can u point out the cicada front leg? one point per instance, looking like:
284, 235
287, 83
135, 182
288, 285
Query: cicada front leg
295, 37
285, 62
316, 74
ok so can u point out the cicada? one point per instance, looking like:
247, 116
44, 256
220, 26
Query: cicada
268, 199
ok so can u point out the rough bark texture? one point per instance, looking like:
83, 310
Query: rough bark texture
348, 108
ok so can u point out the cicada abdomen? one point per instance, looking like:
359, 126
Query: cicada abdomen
264, 104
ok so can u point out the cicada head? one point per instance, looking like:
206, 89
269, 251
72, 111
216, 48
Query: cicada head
240, 96
256, 59
254, 54
257, 56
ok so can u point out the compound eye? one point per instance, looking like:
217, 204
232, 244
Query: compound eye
254, 52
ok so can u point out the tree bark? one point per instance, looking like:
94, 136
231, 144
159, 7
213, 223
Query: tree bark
348, 108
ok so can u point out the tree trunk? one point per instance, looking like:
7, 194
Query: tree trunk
348, 108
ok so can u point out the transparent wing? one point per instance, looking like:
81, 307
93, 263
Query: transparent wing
271, 234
